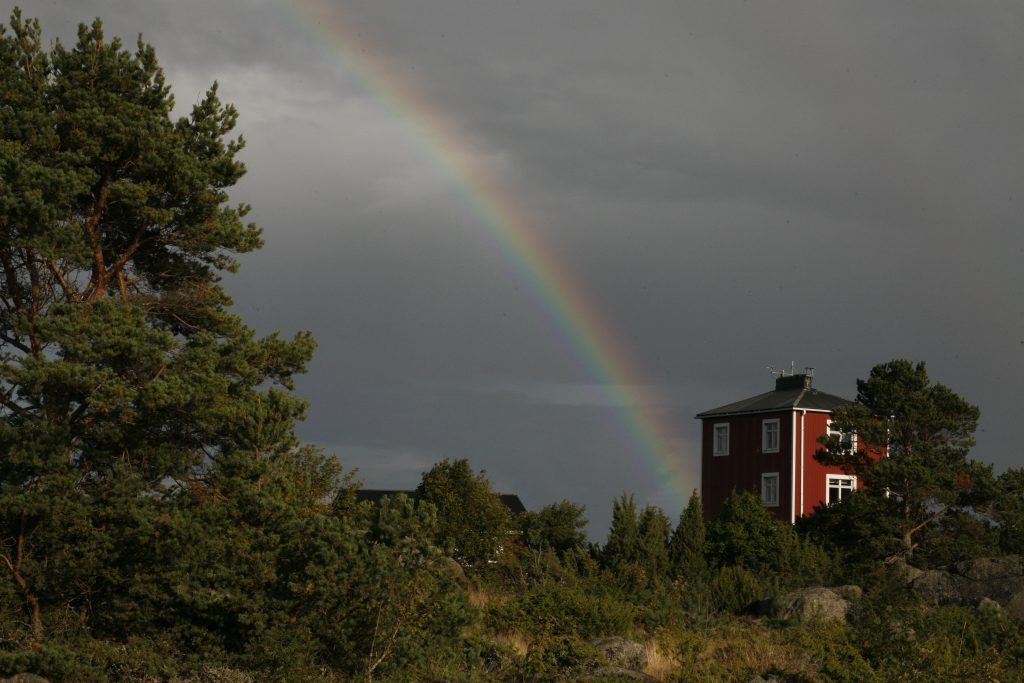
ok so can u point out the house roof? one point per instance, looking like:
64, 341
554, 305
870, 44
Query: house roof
510, 500
791, 393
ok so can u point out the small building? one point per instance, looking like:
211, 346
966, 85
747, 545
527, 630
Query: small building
765, 444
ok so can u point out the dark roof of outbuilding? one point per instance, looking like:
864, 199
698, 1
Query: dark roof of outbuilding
510, 500
785, 397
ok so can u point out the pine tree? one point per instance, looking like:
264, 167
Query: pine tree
123, 376
913, 440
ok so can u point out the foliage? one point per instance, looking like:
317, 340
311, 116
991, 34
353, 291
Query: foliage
623, 546
914, 436
687, 546
905, 641
739, 650
855, 530
122, 375
159, 519
735, 588
558, 526
1008, 510
654, 528
472, 522
582, 609
154, 500
744, 534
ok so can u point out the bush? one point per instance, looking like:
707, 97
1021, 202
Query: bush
735, 589
557, 609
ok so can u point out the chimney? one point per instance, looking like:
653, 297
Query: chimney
801, 381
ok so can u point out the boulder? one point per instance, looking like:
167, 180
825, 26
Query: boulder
457, 572
1000, 579
620, 652
816, 604
24, 678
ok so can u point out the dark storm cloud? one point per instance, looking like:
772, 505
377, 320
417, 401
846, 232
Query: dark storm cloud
735, 184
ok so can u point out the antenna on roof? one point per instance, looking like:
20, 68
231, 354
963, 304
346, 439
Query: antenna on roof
783, 372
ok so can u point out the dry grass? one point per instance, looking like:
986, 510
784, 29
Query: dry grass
659, 664
737, 649
480, 597
514, 640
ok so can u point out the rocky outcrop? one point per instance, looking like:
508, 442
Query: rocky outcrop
816, 604
622, 653
1000, 579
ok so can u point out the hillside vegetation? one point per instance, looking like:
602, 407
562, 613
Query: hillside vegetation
160, 521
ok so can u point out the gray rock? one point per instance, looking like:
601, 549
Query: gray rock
24, 678
621, 652
1000, 579
989, 604
457, 572
815, 604
1015, 605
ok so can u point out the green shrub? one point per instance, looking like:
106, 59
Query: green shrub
559, 656
557, 609
734, 589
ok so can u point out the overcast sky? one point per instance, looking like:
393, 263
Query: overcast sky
732, 184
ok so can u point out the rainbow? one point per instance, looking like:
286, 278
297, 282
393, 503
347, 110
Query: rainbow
504, 216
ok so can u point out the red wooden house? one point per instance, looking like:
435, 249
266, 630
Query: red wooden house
766, 444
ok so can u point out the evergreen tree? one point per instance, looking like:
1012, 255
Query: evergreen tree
687, 546
654, 528
153, 494
624, 545
122, 374
1009, 510
913, 439
744, 534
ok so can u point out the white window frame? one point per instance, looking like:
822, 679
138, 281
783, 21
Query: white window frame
770, 501
835, 432
766, 447
715, 450
847, 478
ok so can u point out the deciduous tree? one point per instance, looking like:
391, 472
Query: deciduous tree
472, 522
558, 527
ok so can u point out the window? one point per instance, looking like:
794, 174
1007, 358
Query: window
770, 489
839, 486
721, 439
770, 436
847, 440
